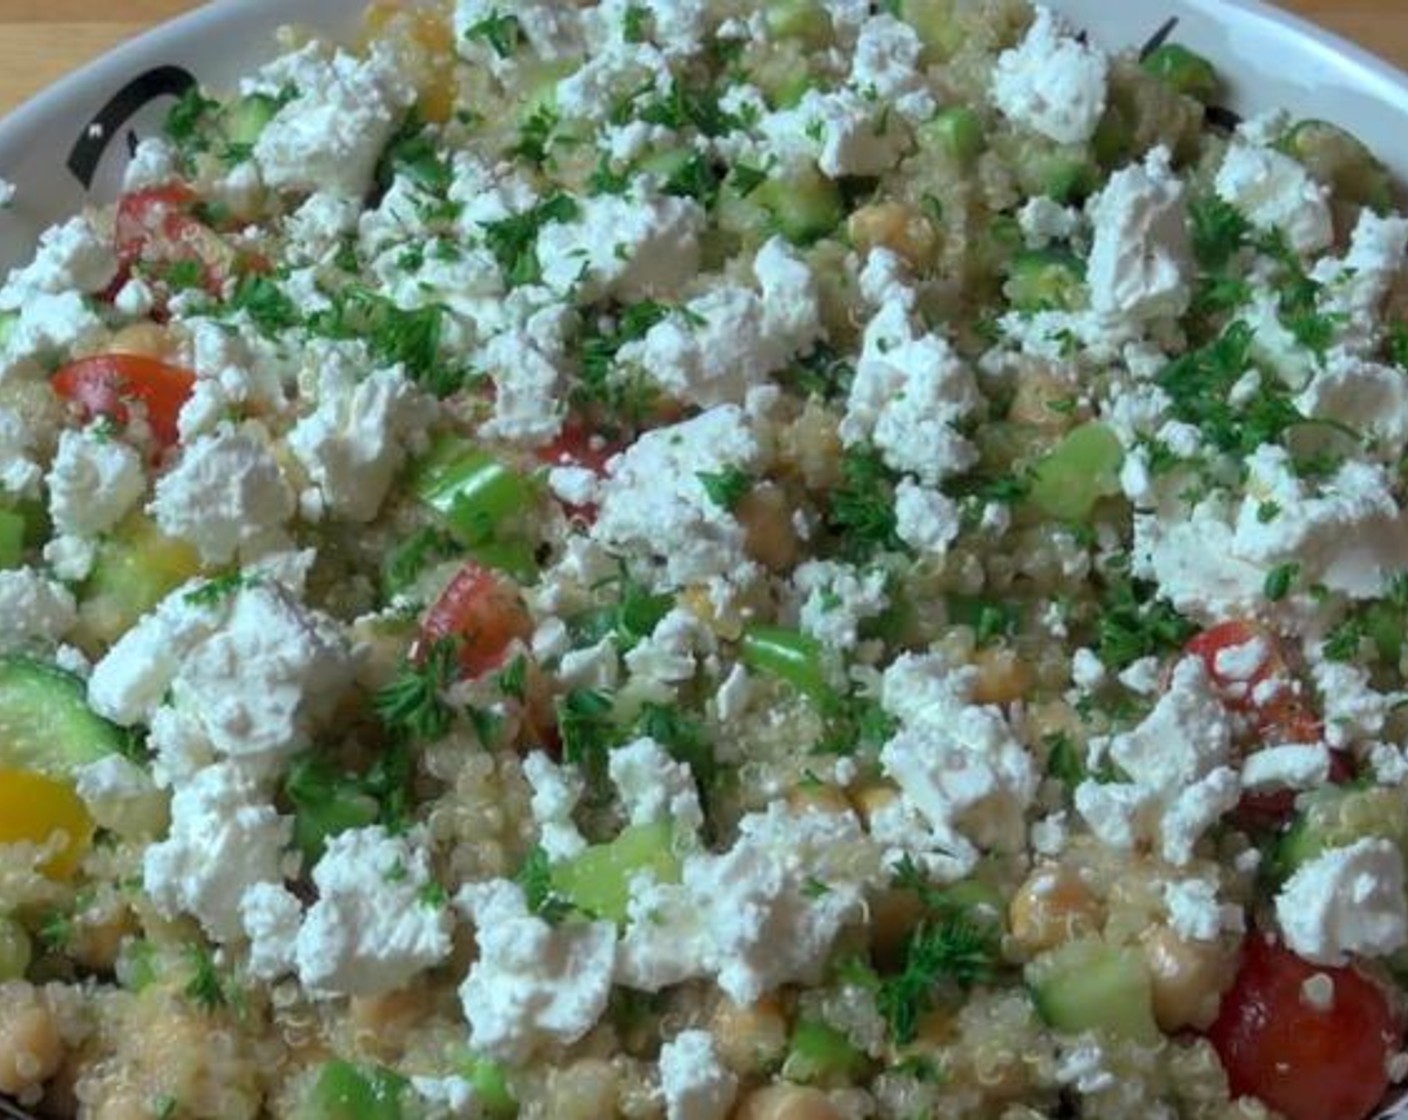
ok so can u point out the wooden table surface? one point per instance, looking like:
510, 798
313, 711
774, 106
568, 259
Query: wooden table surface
40, 40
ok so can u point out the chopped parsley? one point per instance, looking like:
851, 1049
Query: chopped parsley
1134, 624
412, 705
513, 241
1279, 581
501, 32
728, 487
1219, 231
412, 152
535, 877
535, 136
219, 588
862, 512
205, 988
696, 178
585, 720
513, 679
267, 304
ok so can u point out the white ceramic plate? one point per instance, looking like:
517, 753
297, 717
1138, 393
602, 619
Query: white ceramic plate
69, 144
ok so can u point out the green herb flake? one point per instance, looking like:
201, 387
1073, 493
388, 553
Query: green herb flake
412, 705
1279, 580
535, 877
726, 488
499, 31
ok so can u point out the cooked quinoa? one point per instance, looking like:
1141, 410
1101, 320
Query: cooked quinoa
683, 560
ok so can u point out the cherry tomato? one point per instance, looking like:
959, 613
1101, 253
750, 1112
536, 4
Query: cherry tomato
1237, 692
157, 228
483, 610
103, 386
1270, 808
1307, 1063
577, 446
34, 808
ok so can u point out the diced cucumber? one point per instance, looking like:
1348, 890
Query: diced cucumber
1066, 177
1045, 280
1342, 162
11, 539
820, 1054
136, 568
933, 21
1335, 817
246, 117
15, 950
598, 881
46, 724
804, 208
491, 1089
347, 1092
9, 320
1083, 468
1087, 985
472, 490
790, 655
804, 20
1186, 71
957, 132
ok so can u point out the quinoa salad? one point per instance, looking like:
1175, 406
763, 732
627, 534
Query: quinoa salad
687, 560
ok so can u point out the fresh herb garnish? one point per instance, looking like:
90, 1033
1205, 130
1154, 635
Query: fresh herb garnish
726, 488
205, 987
513, 241
268, 305
412, 705
1279, 580
535, 877
499, 31
862, 512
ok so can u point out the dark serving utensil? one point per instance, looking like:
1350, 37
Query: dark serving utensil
11, 1111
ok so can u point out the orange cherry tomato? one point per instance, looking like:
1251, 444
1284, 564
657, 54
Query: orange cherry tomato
105, 384
1307, 1062
34, 808
482, 609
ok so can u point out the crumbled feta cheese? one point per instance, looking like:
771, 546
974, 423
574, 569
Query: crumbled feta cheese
50, 326
654, 505
330, 136
696, 1083
1274, 192
527, 363
926, 519
1363, 395
844, 132
38, 612
669, 656
1293, 766
654, 787
910, 390
725, 342
226, 495
1141, 259
271, 917
225, 837
1195, 913
631, 248
1052, 82
355, 440
20, 472
72, 257
378, 920
556, 792
887, 65
838, 599
1043, 220
446, 1098
1087, 670
553, 32
534, 984
93, 482
1346, 901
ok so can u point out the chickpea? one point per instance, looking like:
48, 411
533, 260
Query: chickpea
870, 799
810, 448
815, 796
750, 1039
1052, 907
381, 1024
143, 340
586, 1090
896, 226
1003, 676
1039, 399
766, 517
787, 1102
1188, 978
31, 1048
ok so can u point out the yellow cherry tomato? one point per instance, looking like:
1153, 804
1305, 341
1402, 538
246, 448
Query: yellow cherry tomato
33, 808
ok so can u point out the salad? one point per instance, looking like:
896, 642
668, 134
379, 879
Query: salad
692, 560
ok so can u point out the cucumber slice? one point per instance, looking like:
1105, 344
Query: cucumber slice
45, 723
820, 1054
803, 209
1087, 985
1083, 468
492, 1092
347, 1092
598, 881
1183, 70
246, 117
1335, 817
1046, 280
804, 20
9, 320
136, 568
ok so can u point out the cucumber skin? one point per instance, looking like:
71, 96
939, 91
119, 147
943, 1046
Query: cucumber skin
46, 724
1088, 985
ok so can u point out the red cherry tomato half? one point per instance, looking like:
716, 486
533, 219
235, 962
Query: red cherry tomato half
482, 609
157, 228
577, 446
104, 385
1270, 808
1306, 1062
1237, 691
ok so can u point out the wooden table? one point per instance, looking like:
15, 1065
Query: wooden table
40, 40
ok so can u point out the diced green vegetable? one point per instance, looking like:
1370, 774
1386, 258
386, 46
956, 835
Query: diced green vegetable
935, 23
483, 503
820, 1054
46, 724
1083, 468
325, 804
1335, 817
491, 1089
1088, 985
1066, 177
246, 117
1046, 280
1186, 71
11, 539
958, 132
1342, 162
15, 950
9, 320
803, 20
347, 1092
598, 881
136, 568
804, 208
791, 656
